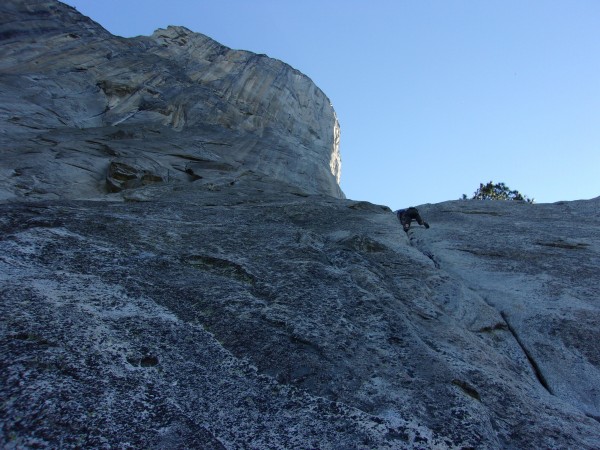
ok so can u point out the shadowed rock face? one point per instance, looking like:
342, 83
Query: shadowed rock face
75, 98
214, 300
252, 315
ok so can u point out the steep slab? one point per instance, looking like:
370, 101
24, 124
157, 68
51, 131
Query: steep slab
248, 314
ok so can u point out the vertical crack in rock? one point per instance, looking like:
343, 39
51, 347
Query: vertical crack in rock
430, 255
536, 369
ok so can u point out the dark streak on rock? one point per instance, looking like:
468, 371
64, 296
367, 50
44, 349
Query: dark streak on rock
221, 267
489, 329
565, 245
467, 389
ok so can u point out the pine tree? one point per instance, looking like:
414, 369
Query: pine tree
497, 191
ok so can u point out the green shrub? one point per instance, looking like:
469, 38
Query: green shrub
497, 191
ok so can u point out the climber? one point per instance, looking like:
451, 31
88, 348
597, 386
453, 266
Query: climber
406, 216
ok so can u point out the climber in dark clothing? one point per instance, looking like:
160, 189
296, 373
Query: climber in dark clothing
406, 216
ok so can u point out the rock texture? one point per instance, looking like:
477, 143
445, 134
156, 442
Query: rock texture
539, 266
249, 315
165, 282
176, 105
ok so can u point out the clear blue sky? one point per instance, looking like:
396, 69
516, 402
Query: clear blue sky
433, 97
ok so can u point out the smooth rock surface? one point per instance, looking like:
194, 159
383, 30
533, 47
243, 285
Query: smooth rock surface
73, 97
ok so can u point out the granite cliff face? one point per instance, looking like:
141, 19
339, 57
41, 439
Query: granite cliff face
177, 106
220, 301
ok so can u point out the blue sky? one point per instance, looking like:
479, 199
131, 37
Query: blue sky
433, 96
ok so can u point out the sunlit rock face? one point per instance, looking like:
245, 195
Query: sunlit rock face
75, 98
539, 267
208, 298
